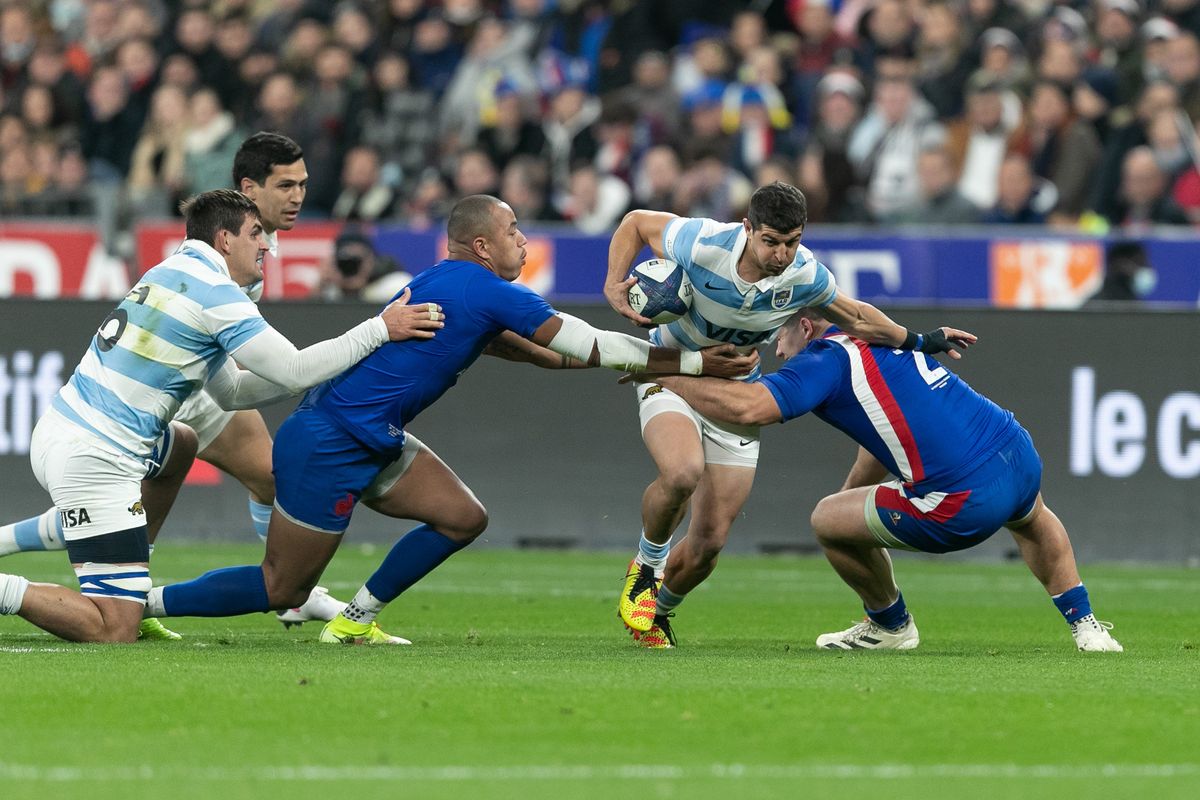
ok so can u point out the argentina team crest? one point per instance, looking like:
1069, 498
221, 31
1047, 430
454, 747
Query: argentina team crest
780, 298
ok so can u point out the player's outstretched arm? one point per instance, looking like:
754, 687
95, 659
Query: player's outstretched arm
728, 401
514, 347
236, 389
865, 321
418, 321
570, 336
638, 229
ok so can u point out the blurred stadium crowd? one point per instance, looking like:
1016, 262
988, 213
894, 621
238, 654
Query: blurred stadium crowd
1073, 114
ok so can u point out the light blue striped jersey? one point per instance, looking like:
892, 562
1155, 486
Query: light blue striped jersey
726, 308
171, 333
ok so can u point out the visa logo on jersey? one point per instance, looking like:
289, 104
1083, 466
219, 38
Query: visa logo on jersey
73, 517
734, 335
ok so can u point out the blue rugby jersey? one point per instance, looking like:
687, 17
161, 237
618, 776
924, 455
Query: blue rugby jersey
162, 342
726, 308
376, 398
923, 422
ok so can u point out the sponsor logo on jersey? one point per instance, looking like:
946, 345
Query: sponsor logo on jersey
73, 517
651, 390
343, 507
780, 298
896, 517
136, 509
395, 432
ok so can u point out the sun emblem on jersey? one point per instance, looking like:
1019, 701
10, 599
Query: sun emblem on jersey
780, 298
136, 509
652, 390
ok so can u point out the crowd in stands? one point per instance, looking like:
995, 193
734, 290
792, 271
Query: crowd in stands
939, 112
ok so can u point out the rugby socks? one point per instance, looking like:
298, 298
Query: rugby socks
12, 593
413, 557
893, 617
219, 593
1073, 604
260, 515
43, 532
653, 555
364, 607
667, 601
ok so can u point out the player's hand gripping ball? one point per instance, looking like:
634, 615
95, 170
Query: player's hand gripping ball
663, 292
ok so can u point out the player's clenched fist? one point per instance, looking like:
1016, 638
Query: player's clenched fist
418, 321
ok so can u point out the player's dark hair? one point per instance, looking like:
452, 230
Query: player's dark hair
779, 205
471, 217
259, 154
208, 213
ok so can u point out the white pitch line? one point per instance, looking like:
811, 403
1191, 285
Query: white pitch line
583, 772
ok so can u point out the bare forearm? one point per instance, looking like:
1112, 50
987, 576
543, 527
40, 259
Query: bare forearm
866, 471
865, 321
728, 401
512, 347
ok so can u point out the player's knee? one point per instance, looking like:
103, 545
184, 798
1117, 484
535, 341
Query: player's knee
185, 443
284, 591
680, 481
821, 521
472, 521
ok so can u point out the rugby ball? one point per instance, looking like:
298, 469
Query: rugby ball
663, 292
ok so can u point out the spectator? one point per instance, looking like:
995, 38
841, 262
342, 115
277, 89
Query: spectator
211, 141
353, 30
887, 29
594, 202
48, 67
157, 172
492, 54
942, 65
429, 203
941, 202
523, 185
1183, 69
976, 143
99, 38
616, 137
826, 174
570, 127
17, 36
111, 127
364, 196
1145, 199
37, 109
1017, 196
1156, 34
508, 130
1003, 58
703, 131
434, 53
1061, 148
474, 173
195, 31
399, 122
1128, 276
1119, 47
1094, 98
657, 105
884, 145
657, 179
710, 188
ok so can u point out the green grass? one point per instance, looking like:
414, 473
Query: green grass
523, 684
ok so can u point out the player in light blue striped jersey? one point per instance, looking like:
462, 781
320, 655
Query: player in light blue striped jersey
108, 451
748, 278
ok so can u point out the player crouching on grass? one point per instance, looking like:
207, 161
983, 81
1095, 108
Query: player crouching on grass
966, 468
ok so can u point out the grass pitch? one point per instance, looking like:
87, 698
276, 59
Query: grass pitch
522, 684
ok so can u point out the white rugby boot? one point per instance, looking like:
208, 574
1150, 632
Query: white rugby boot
1092, 636
867, 635
320, 606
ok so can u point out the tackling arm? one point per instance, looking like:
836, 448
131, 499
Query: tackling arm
729, 401
513, 347
271, 356
236, 389
865, 321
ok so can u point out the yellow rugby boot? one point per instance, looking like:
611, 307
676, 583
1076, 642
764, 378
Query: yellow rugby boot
660, 636
340, 630
151, 628
638, 597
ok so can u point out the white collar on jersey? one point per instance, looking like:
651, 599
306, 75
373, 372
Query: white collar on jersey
272, 243
208, 251
765, 284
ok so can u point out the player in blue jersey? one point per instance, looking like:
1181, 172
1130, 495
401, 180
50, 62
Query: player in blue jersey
748, 278
108, 451
268, 168
347, 443
963, 468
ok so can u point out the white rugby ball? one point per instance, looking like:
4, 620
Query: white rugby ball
663, 292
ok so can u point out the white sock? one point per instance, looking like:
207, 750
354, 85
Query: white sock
12, 593
154, 603
36, 533
364, 607
652, 554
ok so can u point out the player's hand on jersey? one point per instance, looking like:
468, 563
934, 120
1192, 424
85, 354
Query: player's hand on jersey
945, 340
724, 361
418, 321
617, 295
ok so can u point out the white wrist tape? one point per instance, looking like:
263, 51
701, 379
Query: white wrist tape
691, 362
577, 339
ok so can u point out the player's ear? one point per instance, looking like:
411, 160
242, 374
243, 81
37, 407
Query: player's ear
247, 187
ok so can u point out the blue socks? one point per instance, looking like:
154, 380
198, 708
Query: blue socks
893, 617
260, 514
410, 559
1073, 604
220, 593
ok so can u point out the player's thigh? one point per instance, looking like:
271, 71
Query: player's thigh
243, 449
671, 431
295, 558
422, 487
842, 518
717, 502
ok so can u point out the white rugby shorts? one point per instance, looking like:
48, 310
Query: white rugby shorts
202, 414
730, 445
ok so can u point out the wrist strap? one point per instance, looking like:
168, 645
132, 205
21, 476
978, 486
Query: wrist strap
912, 341
691, 362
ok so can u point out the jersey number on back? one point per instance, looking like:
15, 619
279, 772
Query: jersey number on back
115, 323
